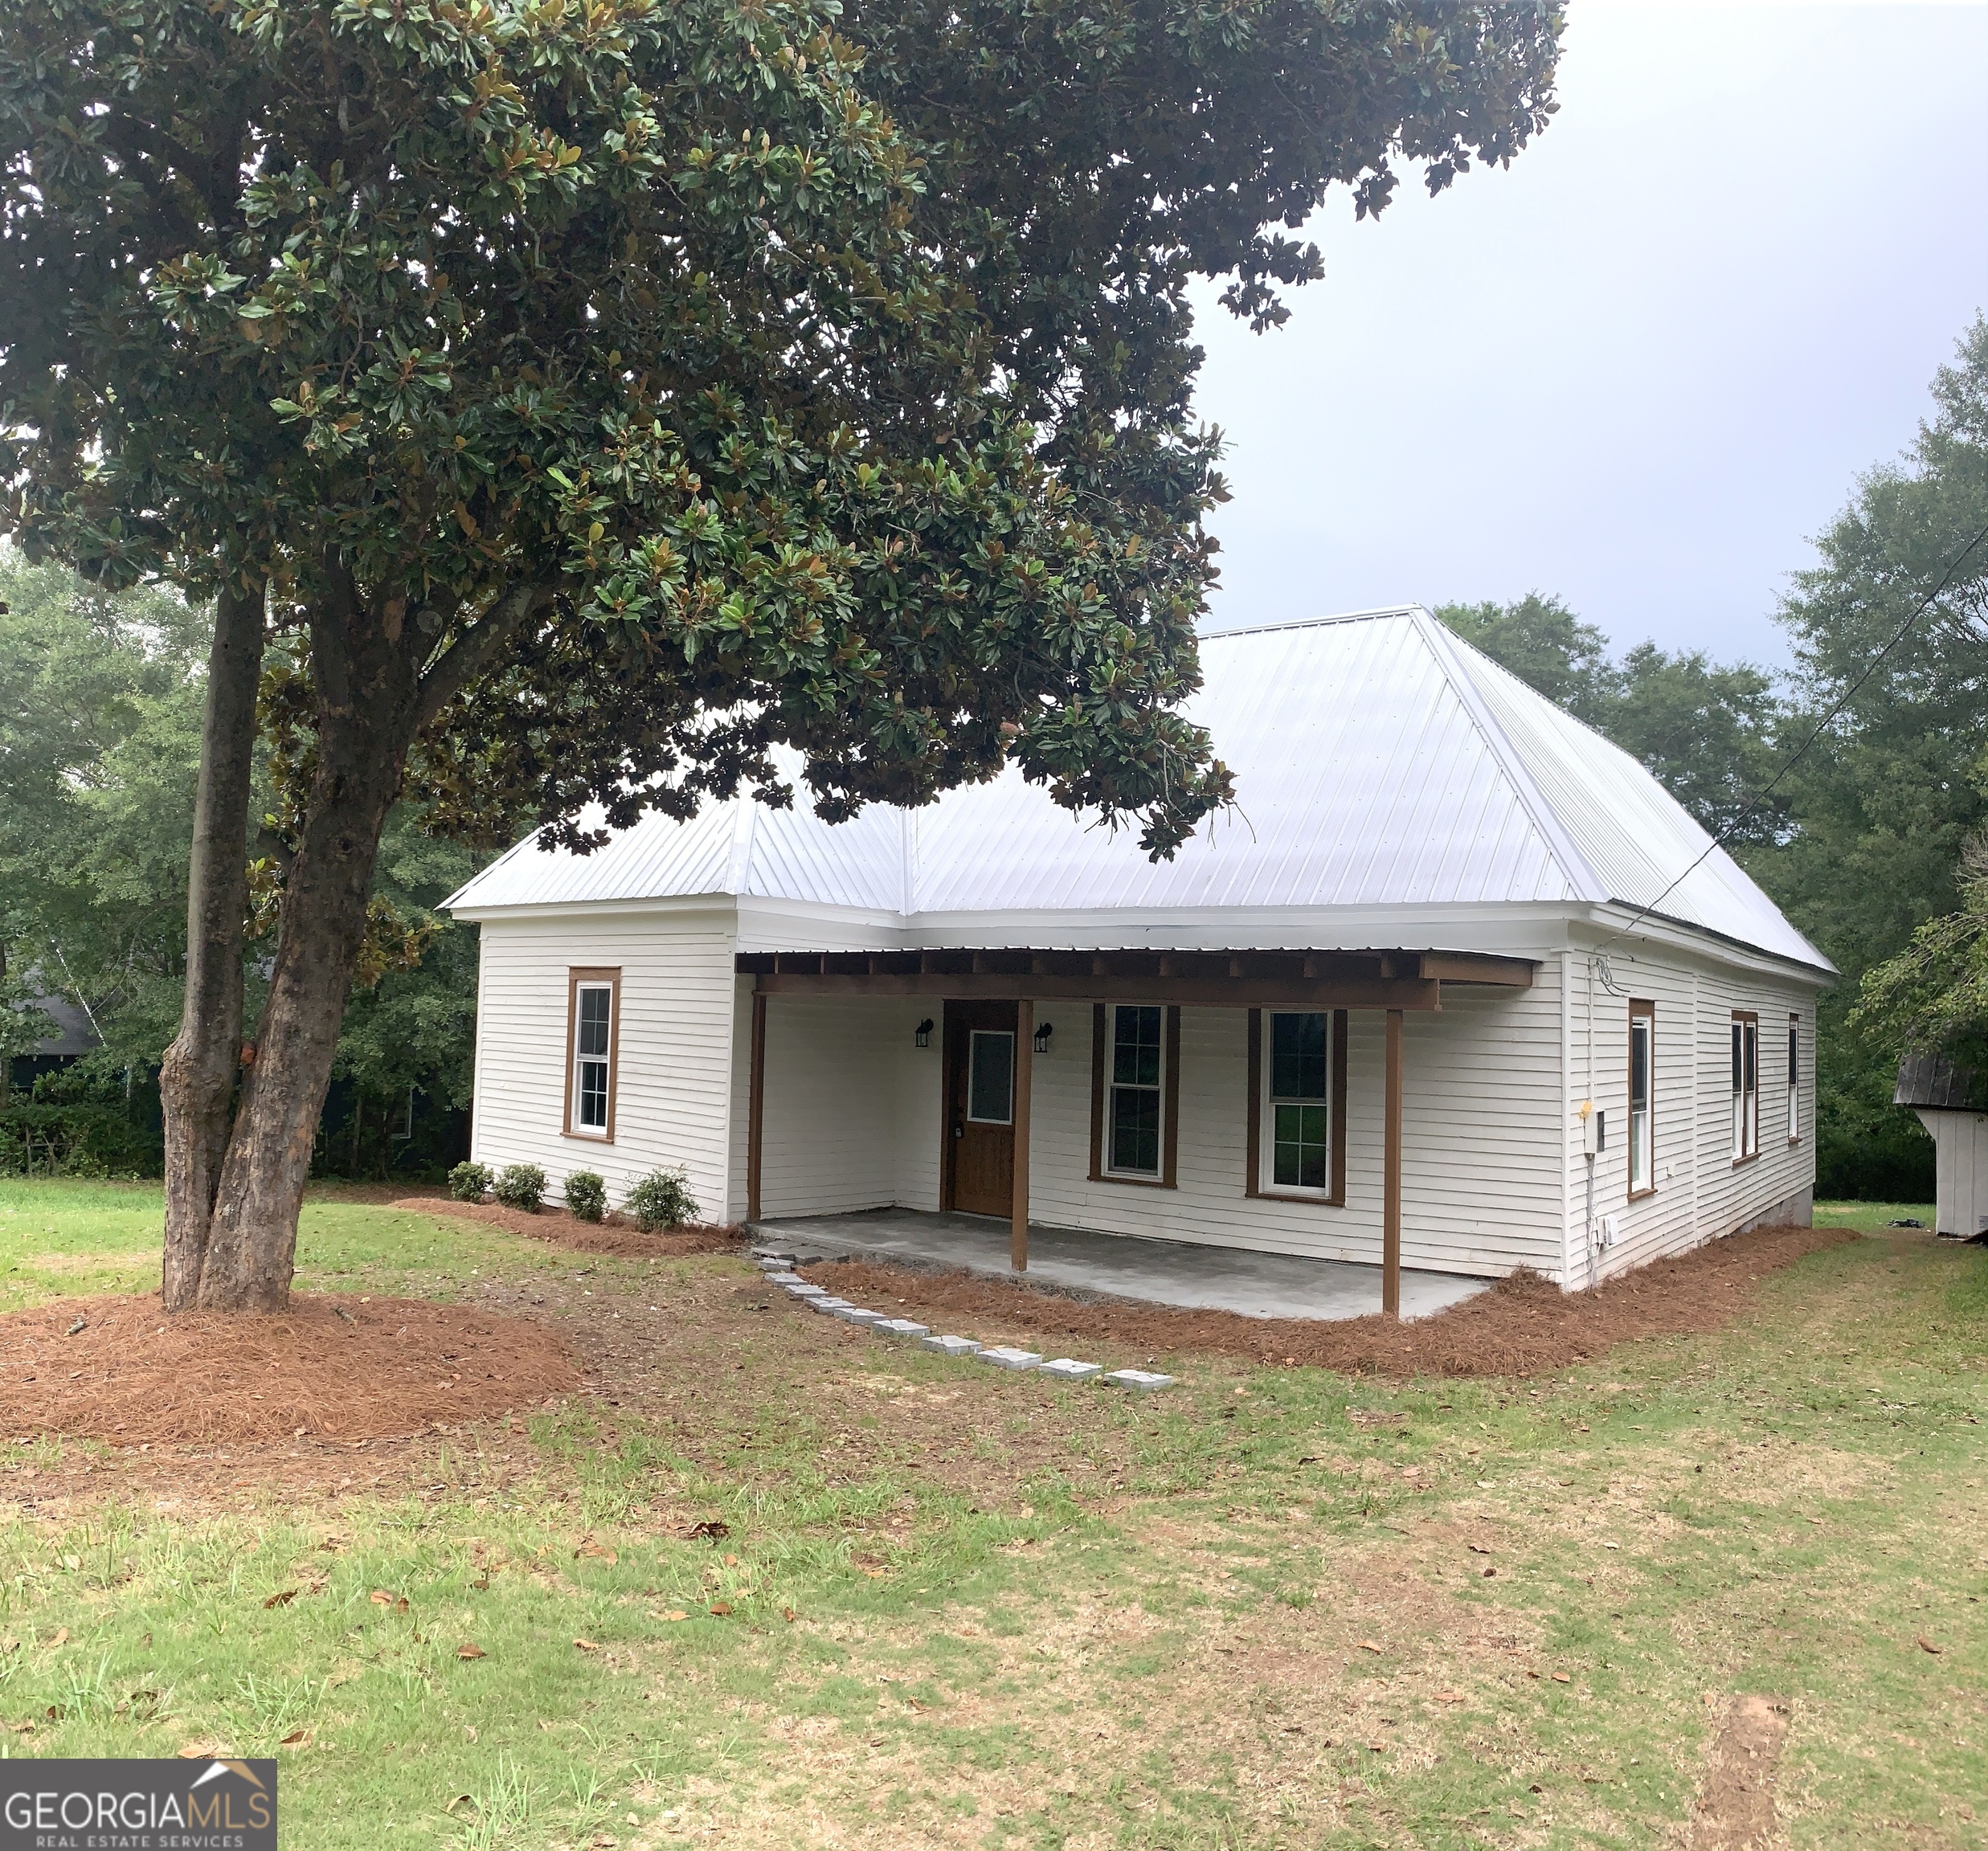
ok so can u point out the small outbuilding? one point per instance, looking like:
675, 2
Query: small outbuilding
1457, 985
1952, 1103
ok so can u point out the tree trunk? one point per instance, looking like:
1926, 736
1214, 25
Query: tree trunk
196, 1078
368, 711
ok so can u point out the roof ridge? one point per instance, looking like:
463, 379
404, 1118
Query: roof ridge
1407, 609
1443, 644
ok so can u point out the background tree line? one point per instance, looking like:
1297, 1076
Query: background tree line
100, 698
1872, 843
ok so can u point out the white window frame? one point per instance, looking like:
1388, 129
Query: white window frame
1746, 1085
1112, 1089
1642, 1125
576, 1125
1794, 1078
1268, 1101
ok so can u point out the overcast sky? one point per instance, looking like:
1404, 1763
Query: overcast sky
1643, 365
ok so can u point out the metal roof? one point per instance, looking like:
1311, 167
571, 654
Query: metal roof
1379, 760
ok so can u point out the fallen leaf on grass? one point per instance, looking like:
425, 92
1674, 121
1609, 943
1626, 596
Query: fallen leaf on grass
295, 1740
61, 1637
1449, 1696
201, 1751
1368, 1645
586, 1645
395, 1603
1477, 1548
721, 1609
1561, 1677
675, 1615
466, 1650
1926, 1645
787, 1613
590, 1547
711, 1530
460, 1799
281, 1600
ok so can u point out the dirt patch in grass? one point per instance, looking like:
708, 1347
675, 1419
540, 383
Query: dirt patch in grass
617, 1237
1736, 1812
1524, 1326
119, 1370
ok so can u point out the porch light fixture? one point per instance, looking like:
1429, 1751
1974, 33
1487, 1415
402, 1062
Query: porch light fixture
922, 1036
1042, 1037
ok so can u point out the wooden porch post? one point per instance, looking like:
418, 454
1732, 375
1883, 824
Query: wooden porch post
1024, 1053
755, 1104
1391, 1176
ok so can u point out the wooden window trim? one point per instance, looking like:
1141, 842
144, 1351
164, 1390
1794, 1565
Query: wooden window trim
1169, 1100
1740, 1018
575, 976
1647, 1010
1252, 1188
1794, 1085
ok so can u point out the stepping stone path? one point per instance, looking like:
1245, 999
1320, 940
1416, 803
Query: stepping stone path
1003, 1357
779, 1268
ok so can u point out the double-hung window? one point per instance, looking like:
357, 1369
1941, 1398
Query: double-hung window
1643, 1045
1794, 1079
1135, 1091
592, 1005
1297, 1150
1746, 1086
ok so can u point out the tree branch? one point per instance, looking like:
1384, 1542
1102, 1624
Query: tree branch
476, 649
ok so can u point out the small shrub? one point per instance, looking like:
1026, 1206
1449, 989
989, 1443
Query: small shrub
469, 1181
662, 1199
520, 1185
587, 1195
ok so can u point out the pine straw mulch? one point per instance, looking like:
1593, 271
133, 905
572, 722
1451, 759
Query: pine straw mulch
1523, 1326
332, 1367
617, 1237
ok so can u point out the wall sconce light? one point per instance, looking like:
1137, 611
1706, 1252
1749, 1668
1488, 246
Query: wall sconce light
1042, 1037
922, 1036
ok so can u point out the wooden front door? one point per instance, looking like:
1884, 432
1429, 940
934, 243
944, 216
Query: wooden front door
980, 1107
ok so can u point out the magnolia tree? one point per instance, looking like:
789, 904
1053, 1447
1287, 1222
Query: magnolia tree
571, 401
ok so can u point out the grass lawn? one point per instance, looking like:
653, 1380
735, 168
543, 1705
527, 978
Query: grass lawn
951, 1607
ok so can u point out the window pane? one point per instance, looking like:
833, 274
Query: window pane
593, 1112
1136, 1046
1752, 1038
593, 1023
1299, 1158
1739, 1078
1794, 1050
990, 1078
1638, 1063
1136, 1129
1297, 1050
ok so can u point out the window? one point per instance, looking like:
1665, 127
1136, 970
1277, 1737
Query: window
1746, 1086
1297, 1101
593, 1030
1132, 1118
1794, 1079
991, 1077
1298, 1104
1135, 1093
1643, 1037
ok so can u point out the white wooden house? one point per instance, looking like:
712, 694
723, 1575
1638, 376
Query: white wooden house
1457, 985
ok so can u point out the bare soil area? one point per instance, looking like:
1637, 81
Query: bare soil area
344, 1368
616, 1236
1736, 1812
1524, 1326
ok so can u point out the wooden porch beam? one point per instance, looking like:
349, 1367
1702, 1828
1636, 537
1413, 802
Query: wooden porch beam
1391, 1175
1470, 967
1018, 1203
1217, 992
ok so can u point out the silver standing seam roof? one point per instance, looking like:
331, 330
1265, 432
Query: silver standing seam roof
1379, 759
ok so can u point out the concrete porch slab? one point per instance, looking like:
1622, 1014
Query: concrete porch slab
1116, 1265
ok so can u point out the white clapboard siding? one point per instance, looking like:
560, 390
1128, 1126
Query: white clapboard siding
673, 1050
1701, 1194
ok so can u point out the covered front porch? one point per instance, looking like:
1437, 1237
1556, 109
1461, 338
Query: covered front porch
1075, 1260
1073, 1099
